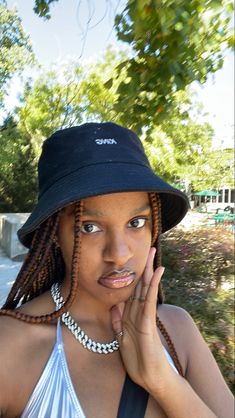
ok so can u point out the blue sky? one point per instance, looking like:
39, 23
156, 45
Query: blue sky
64, 36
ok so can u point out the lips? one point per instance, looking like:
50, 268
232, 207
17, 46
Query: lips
117, 280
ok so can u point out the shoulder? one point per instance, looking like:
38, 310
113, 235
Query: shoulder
182, 330
189, 343
199, 365
173, 311
176, 319
21, 345
13, 335
18, 338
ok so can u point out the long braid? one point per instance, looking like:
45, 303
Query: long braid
156, 235
156, 232
76, 254
43, 275
170, 345
31, 276
39, 281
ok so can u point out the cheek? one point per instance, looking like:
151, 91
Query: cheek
66, 240
143, 248
91, 254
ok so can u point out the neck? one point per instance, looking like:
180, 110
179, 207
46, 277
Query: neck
79, 334
87, 309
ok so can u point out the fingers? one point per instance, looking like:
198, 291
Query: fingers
143, 284
150, 304
144, 298
146, 290
148, 274
116, 318
148, 271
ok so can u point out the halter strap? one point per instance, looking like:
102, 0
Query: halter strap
133, 401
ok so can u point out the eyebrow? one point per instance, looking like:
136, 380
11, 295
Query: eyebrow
98, 213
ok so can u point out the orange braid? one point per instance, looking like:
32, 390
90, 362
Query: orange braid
41, 268
156, 219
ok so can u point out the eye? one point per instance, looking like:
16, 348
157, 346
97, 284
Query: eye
90, 228
137, 223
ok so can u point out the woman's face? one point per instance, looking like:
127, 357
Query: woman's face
115, 242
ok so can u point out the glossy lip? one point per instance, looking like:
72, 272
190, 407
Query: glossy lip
117, 279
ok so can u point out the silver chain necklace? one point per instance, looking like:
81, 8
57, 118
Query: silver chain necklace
78, 333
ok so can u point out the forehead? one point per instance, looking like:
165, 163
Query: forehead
118, 200
114, 203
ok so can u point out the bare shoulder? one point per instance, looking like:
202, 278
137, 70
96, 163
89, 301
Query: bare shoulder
17, 336
173, 312
13, 336
22, 345
182, 331
200, 367
177, 321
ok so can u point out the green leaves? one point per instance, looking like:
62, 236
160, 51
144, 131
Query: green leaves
199, 277
174, 44
15, 48
42, 8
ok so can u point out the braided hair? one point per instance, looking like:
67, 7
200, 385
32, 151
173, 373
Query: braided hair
156, 237
44, 265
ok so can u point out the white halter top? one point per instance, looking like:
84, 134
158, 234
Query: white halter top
54, 395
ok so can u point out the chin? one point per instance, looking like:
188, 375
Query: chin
114, 297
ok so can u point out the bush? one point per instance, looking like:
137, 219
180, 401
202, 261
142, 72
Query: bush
199, 277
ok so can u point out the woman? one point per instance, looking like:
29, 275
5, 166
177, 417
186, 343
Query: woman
78, 330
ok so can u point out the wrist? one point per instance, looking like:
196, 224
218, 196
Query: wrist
178, 399
164, 379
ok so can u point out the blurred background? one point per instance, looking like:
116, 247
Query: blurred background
163, 68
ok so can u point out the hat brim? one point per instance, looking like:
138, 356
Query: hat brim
85, 183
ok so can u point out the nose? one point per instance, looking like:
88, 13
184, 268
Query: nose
117, 249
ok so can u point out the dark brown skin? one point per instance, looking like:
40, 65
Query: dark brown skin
114, 242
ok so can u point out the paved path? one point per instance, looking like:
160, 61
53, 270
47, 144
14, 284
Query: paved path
8, 273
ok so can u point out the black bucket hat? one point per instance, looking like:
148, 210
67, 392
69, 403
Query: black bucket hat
94, 159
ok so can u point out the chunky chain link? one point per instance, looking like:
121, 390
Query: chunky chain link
78, 333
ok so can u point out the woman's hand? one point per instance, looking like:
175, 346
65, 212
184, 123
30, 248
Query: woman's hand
140, 345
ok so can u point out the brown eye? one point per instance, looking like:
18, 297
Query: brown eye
137, 223
89, 228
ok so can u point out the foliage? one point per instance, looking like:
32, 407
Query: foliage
56, 100
42, 8
199, 277
18, 183
52, 102
174, 43
217, 170
100, 97
46, 106
177, 146
15, 47
72, 95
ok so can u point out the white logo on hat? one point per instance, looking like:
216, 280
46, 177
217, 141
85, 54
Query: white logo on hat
105, 141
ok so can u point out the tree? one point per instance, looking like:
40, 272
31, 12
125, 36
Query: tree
52, 102
42, 8
174, 43
18, 163
75, 94
55, 100
15, 47
199, 270
217, 170
177, 147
